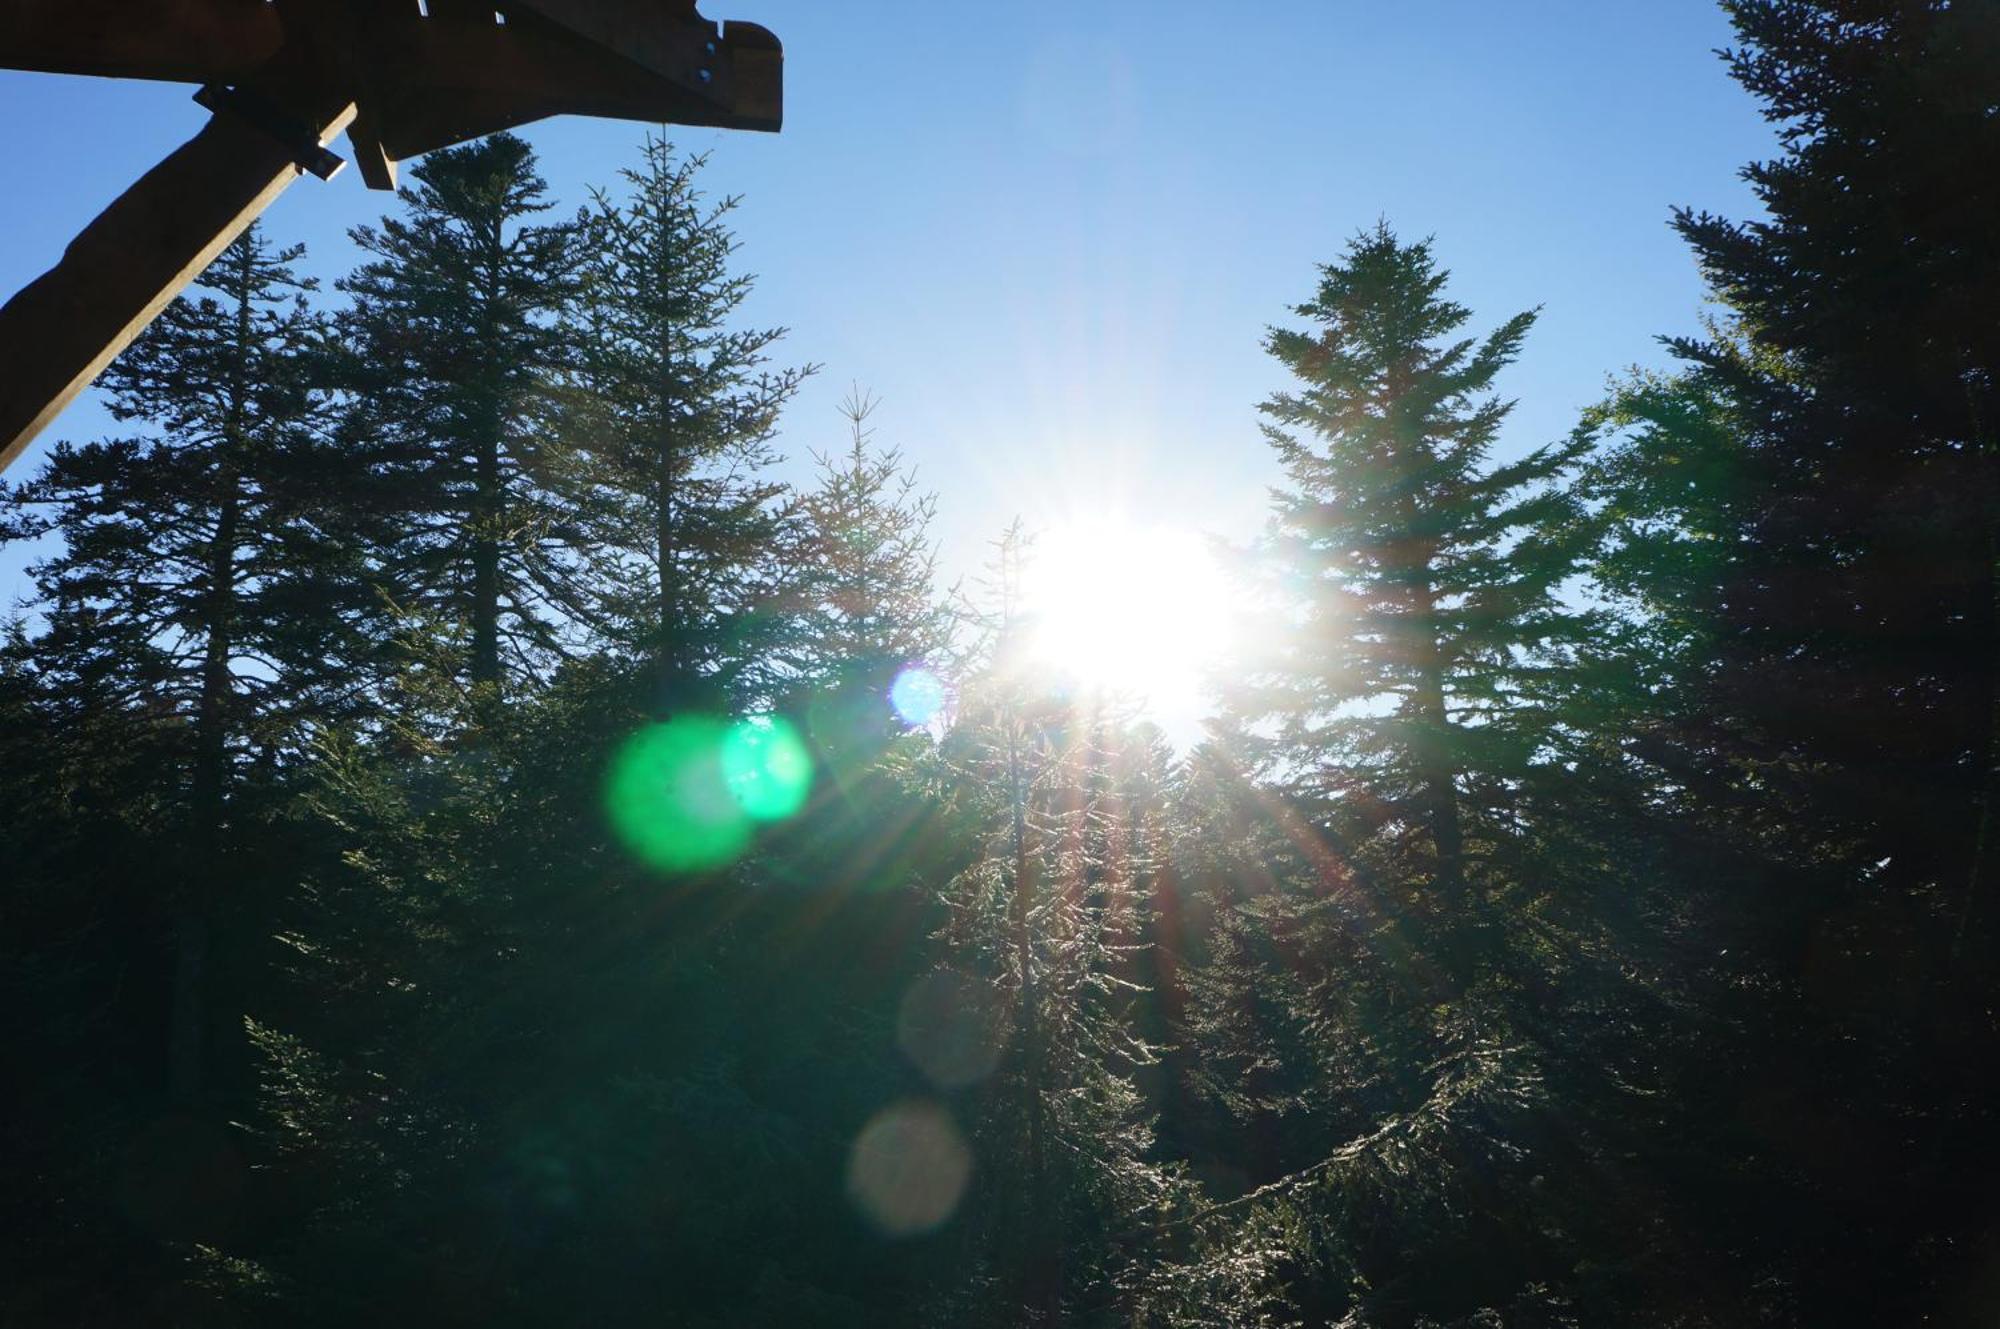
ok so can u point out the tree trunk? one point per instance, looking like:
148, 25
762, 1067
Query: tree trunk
202, 866
1435, 756
667, 649
1041, 1277
487, 511
1041, 1271
203, 863
489, 498
1438, 771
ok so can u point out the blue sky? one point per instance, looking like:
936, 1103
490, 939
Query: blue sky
1049, 238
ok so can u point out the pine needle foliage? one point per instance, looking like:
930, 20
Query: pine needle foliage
452, 340
1414, 621
673, 407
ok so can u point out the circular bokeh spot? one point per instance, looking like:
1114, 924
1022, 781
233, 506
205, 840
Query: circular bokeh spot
909, 1168
767, 766
918, 696
947, 1026
669, 798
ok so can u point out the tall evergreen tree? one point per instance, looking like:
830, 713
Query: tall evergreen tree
1828, 556
1356, 1013
1860, 620
1404, 681
1046, 919
1664, 489
860, 601
674, 413
865, 566
454, 336
207, 589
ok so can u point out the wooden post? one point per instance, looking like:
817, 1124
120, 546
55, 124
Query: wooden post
139, 253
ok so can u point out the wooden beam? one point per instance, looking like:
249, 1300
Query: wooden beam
756, 83
66, 326
179, 41
665, 38
344, 38
438, 83
736, 68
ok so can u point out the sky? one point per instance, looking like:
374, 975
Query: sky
1050, 239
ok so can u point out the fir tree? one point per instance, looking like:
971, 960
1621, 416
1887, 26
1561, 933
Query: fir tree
1404, 682
207, 591
1822, 582
1663, 489
674, 411
1050, 912
860, 600
1859, 627
453, 338
865, 564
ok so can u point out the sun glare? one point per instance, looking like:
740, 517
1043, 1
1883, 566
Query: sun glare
1131, 609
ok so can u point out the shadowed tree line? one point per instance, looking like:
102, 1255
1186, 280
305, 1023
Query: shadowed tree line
1581, 912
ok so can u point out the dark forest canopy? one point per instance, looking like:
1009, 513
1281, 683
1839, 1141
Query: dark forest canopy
485, 851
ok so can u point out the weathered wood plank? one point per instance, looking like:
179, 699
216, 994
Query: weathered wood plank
179, 41
737, 68
409, 83
139, 253
441, 84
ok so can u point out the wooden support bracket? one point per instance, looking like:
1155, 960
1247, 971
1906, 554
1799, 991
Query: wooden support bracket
142, 251
409, 81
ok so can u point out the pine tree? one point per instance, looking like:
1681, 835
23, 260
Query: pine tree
1663, 486
1360, 1051
860, 602
1827, 753
1859, 629
208, 590
673, 414
1049, 915
1404, 683
866, 565
454, 337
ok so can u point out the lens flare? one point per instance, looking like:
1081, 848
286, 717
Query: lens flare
767, 766
918, 696
909, 1168
669, 800
683, 795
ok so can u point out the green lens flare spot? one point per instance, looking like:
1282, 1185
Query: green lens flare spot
670, 799
767, 766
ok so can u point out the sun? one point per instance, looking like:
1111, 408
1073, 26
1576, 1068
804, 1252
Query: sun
1135, 610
